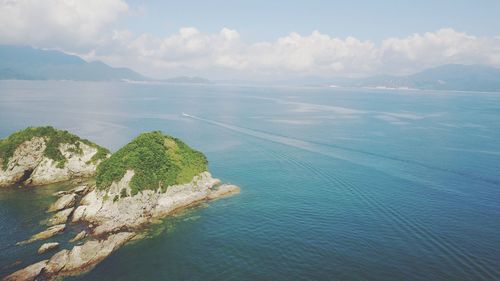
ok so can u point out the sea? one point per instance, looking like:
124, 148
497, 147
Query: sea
336, 183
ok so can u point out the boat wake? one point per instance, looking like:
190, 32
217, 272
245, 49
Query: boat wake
357, 156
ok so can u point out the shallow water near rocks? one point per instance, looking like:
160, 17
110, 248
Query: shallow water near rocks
337, 184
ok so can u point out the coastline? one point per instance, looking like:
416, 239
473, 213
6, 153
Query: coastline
112, 223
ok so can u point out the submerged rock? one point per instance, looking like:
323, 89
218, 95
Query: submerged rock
223, 190
49, 232
43, 155
47, 247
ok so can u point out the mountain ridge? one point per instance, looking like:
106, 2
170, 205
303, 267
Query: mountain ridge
27, 63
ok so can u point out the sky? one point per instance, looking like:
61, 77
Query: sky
258, 39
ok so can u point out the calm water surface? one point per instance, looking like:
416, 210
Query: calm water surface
337, 184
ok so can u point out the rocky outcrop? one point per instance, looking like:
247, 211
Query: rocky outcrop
65, 201
134, 190
28, 273
47, 247
80, 258
132, 212
114, 217
77, 165
49, 232
60, 217
29, 166
82, 234
28, 162
223, 190
21, 165
81, 190
74, 261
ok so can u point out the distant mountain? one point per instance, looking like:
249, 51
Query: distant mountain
451, 77
26, 63
455, 77
187, 80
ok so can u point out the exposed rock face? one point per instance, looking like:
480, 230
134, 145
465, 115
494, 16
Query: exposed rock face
81, 190
114, 222
150, 167
132, 212
70, 262
29, 166
76, 166
24, 161
82, 234
28, 273
49, 232
47, 247
60, 217
66, 201
85, 256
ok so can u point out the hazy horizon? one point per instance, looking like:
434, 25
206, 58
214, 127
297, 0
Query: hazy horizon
255, 40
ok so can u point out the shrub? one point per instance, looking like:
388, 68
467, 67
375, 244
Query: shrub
157, 160
123, 192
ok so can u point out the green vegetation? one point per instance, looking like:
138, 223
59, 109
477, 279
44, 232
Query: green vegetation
53, 139
157, 160
123, 193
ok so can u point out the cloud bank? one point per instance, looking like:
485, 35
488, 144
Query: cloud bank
64, 24
90, 28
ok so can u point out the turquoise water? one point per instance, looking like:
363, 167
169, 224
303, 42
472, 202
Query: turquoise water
337, 184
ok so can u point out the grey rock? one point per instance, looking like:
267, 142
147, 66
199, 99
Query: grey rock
49, 232
66, 201
28, 273
74, 261
60, 217
47, 247
81, 190
223, 190
133, 212
79, 236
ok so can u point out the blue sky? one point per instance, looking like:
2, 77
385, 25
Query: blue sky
260, 39
368, 20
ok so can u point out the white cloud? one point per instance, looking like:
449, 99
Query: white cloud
89, 28
434, 48
64, 24
191, 51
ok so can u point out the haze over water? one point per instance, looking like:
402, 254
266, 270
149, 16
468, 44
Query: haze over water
337, 184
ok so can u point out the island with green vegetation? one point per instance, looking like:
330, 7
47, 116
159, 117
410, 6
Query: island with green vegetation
43, 155
157, 161
149, 178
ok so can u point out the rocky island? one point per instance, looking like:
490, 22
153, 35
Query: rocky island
43, 155
149, 178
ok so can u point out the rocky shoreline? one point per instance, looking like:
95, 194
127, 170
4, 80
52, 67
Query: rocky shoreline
112, 217
149, 178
